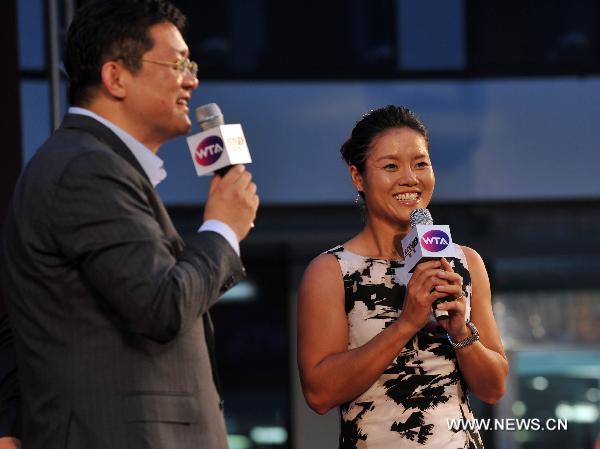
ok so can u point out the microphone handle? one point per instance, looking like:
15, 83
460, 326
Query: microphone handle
223, 171
441, 314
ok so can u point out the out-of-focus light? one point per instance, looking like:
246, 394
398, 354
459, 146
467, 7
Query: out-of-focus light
269, 435
539, 383
239, 442
578, 413
538, 332
519, 408
523, 436
593, 395
244, 291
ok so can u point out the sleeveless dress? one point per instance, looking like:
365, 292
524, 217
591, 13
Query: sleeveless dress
410, 404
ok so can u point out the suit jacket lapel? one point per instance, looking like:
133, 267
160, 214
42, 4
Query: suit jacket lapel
101, 132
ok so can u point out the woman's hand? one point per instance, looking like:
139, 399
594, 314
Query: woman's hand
421, 292
455, 324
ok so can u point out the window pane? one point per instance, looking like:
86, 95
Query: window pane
31, 34
35, 116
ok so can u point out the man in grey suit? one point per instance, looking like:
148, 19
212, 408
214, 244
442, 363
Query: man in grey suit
109, 308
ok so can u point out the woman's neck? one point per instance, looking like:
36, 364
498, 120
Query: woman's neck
380, 240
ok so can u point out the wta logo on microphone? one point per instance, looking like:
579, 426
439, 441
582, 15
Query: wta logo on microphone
435, 240
427, 242
209, 150
218, 147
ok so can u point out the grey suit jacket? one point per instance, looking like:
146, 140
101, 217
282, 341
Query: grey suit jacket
108, 306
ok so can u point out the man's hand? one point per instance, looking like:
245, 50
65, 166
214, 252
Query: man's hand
9, 443
232, 199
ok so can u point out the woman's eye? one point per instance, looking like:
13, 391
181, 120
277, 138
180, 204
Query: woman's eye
423, 164
390, 167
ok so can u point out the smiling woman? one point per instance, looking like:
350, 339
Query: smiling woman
367, 339
397, 175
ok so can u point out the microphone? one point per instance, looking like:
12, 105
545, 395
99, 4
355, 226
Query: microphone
218, 146
425, 242
208, 116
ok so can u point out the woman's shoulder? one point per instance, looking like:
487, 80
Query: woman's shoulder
324, 265
333, 263
322, 275
327, 260
475, 265
472, 257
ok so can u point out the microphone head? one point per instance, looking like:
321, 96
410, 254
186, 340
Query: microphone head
420, 217
209, 115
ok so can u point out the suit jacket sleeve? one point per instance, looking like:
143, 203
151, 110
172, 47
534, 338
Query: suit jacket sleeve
104, 220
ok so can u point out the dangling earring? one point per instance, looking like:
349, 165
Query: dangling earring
358, 200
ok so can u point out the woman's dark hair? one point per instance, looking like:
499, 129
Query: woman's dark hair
354, 150
105, 30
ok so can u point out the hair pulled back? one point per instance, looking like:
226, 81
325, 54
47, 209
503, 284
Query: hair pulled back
354, 151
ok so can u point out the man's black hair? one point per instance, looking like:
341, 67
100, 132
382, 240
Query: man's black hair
105, 30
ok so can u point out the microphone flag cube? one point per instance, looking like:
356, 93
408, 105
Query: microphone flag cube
218, 147
427, 242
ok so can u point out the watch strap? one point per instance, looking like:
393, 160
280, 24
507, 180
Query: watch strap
467, 341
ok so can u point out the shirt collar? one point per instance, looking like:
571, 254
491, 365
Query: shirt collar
150, 162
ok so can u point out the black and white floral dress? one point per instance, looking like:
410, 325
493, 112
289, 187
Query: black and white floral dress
410, 404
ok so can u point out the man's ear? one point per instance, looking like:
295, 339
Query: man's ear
113, 77
357, 178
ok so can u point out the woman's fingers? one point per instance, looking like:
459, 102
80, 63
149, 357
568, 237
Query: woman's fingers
448, 274
449, 289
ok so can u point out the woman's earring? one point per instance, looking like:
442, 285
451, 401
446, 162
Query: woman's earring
358, 200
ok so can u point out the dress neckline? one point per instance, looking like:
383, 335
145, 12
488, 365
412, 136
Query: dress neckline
344, 249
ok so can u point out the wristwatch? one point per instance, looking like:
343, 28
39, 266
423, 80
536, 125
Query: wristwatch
467, 341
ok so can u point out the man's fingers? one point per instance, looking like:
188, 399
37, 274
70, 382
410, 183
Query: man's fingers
214, 183
240, 178
234, 173
244, 179
251, 188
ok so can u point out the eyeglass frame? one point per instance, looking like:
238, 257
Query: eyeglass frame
183, 65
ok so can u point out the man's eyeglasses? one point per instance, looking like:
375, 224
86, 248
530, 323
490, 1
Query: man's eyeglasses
183, 65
